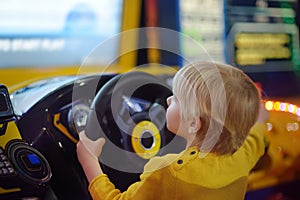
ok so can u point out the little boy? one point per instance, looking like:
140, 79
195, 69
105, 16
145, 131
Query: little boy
214, 107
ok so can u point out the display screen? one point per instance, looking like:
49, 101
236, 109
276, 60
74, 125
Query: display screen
262, 35
57, 33
253, 35
258, 48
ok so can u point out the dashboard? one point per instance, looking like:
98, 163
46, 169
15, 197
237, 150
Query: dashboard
48, 116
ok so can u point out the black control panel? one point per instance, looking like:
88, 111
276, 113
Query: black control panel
6, 168
24, 171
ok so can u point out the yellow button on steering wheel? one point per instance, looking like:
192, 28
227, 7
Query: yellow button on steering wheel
146, 139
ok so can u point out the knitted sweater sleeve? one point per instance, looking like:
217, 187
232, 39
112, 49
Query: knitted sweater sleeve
254, 144
102, 188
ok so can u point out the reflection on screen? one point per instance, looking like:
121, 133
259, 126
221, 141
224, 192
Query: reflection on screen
51, 32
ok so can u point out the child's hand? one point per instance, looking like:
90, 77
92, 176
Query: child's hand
263, 115
87, 146
88, 152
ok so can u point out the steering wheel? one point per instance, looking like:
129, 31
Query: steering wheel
129, 112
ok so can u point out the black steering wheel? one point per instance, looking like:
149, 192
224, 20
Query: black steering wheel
129, 112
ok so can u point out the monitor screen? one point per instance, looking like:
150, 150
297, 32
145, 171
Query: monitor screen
46, 33
262, 35
253, 35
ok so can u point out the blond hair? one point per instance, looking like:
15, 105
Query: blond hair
226, 100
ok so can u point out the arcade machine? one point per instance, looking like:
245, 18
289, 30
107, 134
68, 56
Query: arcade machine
59, 101
60, 106
260, 37
41, 40
42, 52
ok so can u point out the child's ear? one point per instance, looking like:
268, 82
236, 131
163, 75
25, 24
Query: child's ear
195, 125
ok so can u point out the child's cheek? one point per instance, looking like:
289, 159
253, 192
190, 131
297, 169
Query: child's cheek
172, 121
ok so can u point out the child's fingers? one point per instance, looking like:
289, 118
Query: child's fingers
82, 135
100, 141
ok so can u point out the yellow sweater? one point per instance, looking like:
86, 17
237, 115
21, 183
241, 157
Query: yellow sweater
190, 176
